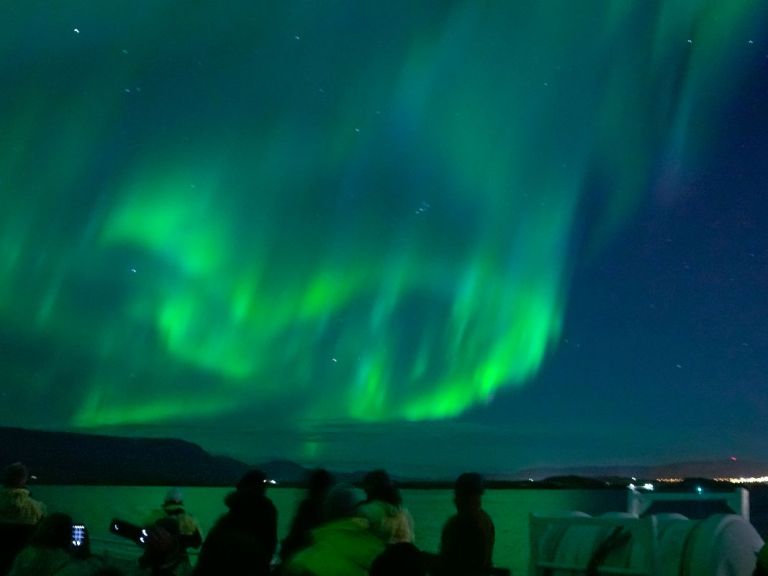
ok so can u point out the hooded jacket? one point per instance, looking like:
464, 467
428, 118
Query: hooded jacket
345, 547
18, 507
243, 540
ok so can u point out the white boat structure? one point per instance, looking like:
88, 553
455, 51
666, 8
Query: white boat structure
641, 543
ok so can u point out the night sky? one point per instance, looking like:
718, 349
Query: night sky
425, 235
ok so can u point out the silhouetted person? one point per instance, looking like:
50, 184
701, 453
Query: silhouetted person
19, 513
173, 507
309, 515
384, 509
16, 505
164, 553
244, 539
401, 559
51, 553
466, 543
343, 545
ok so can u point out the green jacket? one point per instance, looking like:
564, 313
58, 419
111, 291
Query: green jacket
345, 547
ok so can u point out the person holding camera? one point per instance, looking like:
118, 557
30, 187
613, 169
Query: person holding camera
57, 547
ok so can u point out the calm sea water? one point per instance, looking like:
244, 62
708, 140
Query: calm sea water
96, 505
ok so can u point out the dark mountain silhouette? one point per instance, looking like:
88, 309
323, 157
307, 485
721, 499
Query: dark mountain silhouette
71, 458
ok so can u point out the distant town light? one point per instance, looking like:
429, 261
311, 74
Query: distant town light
745, 480
731, 479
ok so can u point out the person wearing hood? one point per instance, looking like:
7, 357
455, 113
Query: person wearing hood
244, 539
16, 505
384, 509
343, 545
173, 507
19, 514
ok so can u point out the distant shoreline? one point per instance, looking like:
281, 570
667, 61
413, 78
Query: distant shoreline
68, 458
548, 484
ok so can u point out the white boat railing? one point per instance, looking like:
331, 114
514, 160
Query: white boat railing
643, 543
573, 544
638, 501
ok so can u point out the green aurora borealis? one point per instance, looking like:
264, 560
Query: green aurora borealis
347, 210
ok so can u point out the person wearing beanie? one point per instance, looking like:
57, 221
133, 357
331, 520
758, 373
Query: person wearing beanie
173, 507
16, 505
189, 529
172, 521
343, 545
468, 537
244, 539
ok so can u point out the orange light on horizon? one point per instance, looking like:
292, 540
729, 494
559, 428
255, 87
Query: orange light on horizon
745, 480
